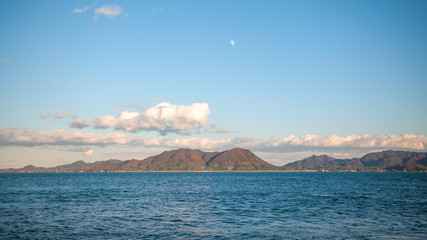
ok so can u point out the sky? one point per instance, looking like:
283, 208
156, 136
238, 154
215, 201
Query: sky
99, 80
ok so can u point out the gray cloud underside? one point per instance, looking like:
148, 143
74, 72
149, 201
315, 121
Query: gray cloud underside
30, 138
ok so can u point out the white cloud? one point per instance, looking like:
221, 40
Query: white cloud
406, 141
232, 42
88, 153
164, 117
109, 11
28, 137
79, 123
294, 143
333, 143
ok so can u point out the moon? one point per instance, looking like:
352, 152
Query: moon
232, 42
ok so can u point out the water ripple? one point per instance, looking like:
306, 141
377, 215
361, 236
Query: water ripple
213, 206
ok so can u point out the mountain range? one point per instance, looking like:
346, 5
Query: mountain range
377, 161
176, 160
238, 159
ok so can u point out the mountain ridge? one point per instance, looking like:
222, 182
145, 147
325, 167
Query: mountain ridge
389, 160
238, 159
182, 159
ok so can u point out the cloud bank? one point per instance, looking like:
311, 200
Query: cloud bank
292, 142
29, 138
164, 118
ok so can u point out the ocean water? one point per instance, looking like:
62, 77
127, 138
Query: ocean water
213, 206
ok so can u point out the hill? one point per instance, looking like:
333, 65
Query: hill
378, 161
176, 160
238, 159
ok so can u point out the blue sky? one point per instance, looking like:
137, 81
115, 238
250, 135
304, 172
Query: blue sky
302, 77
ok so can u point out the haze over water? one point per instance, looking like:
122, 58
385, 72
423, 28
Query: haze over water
213, 205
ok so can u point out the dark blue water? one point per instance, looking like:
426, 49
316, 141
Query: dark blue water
213, 206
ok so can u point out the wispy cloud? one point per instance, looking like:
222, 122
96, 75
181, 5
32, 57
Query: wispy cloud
60, 115
88, 78
214, 129
110, 11
158, 100
164, 118
138, 106
81, 10
45, 116
156, 10
57, 115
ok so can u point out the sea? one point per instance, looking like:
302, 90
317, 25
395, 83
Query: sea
213, 205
